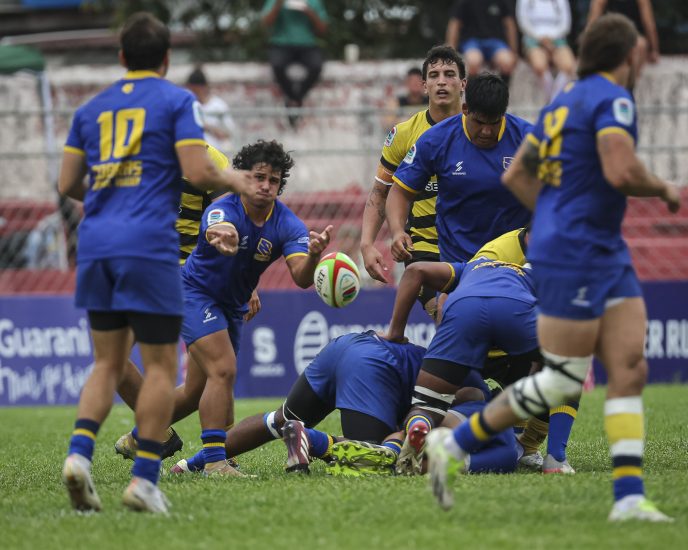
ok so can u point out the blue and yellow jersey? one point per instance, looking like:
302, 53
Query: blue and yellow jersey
230, 280
421, 222
473, 207
578, 215
128, 134
193, 204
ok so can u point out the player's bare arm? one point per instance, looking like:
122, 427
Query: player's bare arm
453, 32
203, 174
626, 172
224, 237
398, 205
373, 218
521, 177
302, 268
72, 174
435, 275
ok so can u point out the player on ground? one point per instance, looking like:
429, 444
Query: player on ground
580, 164
370, 381
133, 140
444, 76
468, 153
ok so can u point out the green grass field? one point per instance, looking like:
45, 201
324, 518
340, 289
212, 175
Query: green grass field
277, 510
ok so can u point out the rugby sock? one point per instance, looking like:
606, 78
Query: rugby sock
470, 436
623, 422
135, 433
83, 439
520, 427
147, 462
418, 418
533, 435
213, 446
196, 463
271, 425
320, 442
560, 424
394, 444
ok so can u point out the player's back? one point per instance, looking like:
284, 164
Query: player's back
492, 278
128, 134
578, 214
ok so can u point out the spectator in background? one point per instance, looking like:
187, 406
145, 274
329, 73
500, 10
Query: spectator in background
484, 31
641, 14
415, 96
295, 26
218, 126
545, 25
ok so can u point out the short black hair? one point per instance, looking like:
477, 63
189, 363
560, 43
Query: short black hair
414, 71
265, 152
605, 44
144, 40
487, 94
197, 78
447, 55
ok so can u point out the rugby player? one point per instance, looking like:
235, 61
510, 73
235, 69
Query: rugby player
579, 164
133, 140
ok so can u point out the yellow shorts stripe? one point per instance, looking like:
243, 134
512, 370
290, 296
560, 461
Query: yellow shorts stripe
477, 428
624, 426
404, 186
627, 471
214, 444
75, 150
564, 409
146, 454
85, 432
186, 142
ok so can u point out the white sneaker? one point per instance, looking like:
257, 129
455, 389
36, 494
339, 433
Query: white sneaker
76, 475
637, 507
532, 462
143, 496
552, 466
443, 466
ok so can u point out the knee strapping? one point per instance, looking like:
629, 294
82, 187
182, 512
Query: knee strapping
432, 401
271, 425
561, 379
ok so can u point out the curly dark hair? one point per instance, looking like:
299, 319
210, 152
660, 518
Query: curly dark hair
265, 152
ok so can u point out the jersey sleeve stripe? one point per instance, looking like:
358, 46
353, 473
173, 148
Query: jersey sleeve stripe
295, 254
614, 130
404, 186
215, 225
388, 164
75, 150
451, 280
186, 142
530, 138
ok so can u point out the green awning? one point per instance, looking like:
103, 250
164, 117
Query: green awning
16, 58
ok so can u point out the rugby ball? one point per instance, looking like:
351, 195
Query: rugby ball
336, 280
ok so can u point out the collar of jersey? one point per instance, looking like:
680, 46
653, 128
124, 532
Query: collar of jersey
465, 129
266, 217
608, 76
137, 75
429, 119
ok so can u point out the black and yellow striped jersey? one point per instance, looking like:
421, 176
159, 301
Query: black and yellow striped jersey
193, 203
421, 225
509, 247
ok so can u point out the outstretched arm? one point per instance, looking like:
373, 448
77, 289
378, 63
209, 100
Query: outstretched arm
302, 267
398, 206
224, 237
373, 218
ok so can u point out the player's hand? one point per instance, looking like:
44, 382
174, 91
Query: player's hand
396, 338
672, 197
253, 306
319, 241
653, 56
239, 180
374, 263
224, 238
402, 246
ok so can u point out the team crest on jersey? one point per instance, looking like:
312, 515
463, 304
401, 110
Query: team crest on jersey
506, 162
304, 240
408, 159
390, 137
623, 110
263, 250
215, 216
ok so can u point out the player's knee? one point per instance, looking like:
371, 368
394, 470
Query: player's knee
432, 402
629, 378
224, 372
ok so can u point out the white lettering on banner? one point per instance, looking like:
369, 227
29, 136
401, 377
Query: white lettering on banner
313, 333
667, 339
264, 348
50, 384
44, 341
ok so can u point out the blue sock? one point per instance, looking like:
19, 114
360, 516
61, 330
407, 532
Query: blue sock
83, 440
147, 463
320, 442
196, 463
472, 435
135, 433
628, 485
394, 444
560, 424
214, 445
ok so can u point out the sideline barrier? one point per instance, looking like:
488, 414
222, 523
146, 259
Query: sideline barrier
46, 352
